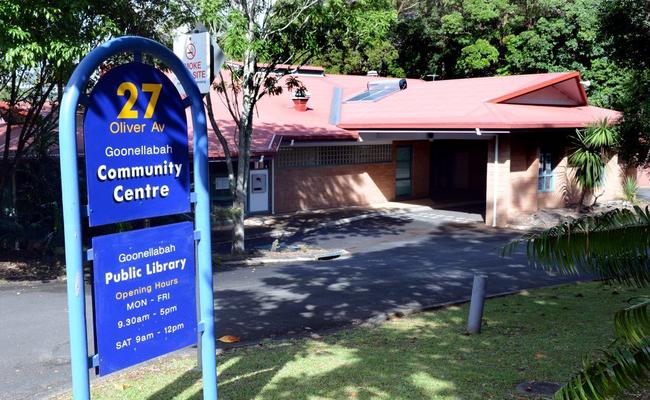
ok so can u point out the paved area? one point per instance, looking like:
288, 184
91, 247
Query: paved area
407, 260
644, 194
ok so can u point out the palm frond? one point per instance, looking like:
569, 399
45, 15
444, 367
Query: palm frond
613, 245
618, 370
601, 134
632, 324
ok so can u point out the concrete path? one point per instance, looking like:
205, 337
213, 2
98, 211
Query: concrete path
644, 194
409, 260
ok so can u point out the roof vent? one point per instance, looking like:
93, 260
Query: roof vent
379, 89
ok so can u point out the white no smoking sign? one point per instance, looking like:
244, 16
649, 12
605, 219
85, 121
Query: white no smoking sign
194, 50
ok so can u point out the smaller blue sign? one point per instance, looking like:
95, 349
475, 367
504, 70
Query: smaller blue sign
145, 294
136, 144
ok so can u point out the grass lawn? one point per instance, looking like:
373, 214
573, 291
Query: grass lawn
536, 335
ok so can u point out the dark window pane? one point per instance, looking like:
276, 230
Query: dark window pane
403, 188
404, 154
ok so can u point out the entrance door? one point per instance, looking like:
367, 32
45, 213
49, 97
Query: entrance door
258, 191
403, 171
459, 174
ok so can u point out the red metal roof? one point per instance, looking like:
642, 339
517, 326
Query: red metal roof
480, 103
536, 101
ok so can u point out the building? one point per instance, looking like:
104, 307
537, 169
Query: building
494, 145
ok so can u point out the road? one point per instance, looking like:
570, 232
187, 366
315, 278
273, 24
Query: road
396, 262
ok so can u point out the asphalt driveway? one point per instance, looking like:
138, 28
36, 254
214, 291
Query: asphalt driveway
402, 261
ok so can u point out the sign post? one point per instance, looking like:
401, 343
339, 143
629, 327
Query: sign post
137, 166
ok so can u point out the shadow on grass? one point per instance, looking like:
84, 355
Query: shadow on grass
179, 385
532, 336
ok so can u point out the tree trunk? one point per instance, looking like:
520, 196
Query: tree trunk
244, 133
581, 202
238, 237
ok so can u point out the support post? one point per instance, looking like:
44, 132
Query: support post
73, 235
204, 249
495, 182
476, 304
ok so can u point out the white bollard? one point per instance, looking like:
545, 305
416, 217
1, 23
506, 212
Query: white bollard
476, 304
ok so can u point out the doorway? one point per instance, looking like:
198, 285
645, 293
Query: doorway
459, 175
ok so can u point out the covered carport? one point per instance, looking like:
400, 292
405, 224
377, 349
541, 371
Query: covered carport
458, 177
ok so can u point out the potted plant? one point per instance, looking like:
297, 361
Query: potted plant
300, 93
300, 98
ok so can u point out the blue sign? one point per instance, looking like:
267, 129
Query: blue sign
136, 146
145, 304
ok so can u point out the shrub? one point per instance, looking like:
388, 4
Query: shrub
630, 188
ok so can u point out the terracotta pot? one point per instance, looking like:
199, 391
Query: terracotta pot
300, 103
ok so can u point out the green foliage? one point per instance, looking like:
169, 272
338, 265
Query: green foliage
591, 149
360, 38
620, 369
614, 246
626, 26
634, 102
626, 34
625, 365
630, 188
41, 42
478, 57
462, 38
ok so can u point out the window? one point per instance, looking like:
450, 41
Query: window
323, 156
403, 168
545, 176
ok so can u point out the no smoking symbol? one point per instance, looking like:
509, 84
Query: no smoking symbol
190, 51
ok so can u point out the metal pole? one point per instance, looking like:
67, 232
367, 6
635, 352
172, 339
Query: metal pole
73, 235
202, 224
476, 304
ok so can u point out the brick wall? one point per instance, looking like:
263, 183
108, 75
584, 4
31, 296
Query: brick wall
524, 167
524, 197
330, 187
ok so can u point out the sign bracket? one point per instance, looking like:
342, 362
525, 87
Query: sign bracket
93, 361
83, 100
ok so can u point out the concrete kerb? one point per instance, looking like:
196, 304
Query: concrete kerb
406, 311
279, 233
340, 255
